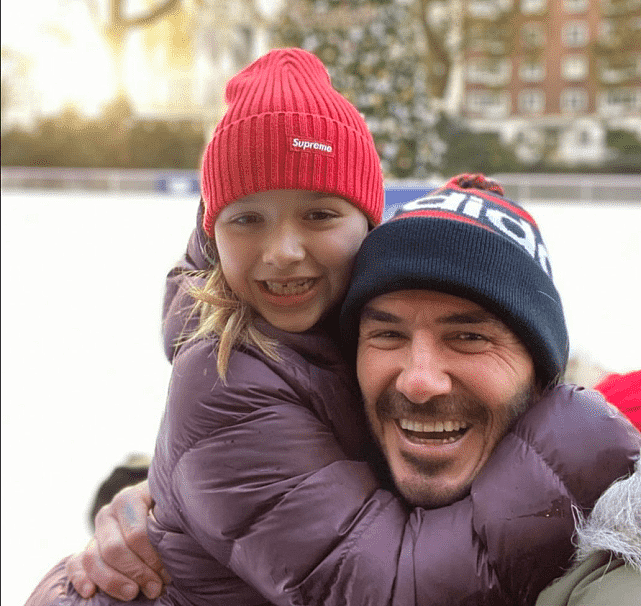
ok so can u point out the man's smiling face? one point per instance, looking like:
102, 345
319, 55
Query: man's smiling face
442, 380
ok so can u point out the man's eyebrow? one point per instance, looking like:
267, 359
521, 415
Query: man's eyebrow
470, 317
371, 313
479, 316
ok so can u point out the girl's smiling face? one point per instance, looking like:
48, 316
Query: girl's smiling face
289, 253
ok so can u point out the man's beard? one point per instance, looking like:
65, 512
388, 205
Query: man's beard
394, 405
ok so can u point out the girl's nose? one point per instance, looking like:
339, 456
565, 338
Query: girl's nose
284, 247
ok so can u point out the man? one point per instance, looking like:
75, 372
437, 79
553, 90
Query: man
425, 318
459, 338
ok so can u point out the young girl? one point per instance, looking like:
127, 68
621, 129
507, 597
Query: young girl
261, 491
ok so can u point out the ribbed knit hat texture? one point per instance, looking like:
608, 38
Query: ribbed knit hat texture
286, 127
467, 240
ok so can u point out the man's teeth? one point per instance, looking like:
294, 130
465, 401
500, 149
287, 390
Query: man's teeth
295, 287
435, 427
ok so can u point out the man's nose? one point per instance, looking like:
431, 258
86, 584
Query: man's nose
424, 374
284, 247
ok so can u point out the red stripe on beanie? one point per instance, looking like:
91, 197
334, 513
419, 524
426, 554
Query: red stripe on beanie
440, 214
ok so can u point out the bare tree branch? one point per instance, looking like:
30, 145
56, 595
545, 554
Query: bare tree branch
436, 52
140, 20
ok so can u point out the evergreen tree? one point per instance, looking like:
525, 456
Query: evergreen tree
391, 59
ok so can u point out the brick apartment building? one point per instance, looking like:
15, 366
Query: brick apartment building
571, 73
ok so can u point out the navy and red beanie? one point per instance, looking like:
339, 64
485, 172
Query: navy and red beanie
466, 239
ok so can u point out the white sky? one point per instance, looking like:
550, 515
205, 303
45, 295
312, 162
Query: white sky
69, 60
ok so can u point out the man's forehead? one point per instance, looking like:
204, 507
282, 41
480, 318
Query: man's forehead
399, 306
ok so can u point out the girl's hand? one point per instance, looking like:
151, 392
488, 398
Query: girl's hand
120, 560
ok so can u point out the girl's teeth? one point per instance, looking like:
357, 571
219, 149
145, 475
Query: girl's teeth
295, 287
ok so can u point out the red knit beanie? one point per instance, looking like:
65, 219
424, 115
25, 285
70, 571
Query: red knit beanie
287, 128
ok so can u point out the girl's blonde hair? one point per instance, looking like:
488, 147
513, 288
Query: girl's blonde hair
223, 314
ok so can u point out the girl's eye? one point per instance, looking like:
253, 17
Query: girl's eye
248, 219
320, 215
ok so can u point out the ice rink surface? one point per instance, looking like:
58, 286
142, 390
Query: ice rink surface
83, 372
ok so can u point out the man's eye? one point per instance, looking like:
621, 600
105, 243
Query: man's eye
383, 338
470, 342
470, 336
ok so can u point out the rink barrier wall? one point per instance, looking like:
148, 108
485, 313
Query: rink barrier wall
101, 179
582, 188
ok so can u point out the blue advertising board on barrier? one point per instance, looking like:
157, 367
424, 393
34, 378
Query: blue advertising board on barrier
179, 183
397, 195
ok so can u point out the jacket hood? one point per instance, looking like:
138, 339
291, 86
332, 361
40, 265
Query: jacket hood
615, 522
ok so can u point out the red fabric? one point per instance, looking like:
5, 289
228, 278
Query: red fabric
286, 127
624, 391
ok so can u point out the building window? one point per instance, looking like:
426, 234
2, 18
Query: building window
532, 71
575, 34
533, 35
575, 6
574, 100
488, 103
529, 7
531, 101
489, 72
618, 101
607, 31
485, 9
574, 67
620, 70
616, 7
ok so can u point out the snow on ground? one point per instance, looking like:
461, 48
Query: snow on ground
83, 373
84, 377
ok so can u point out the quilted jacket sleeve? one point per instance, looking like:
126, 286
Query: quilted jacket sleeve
265, 489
